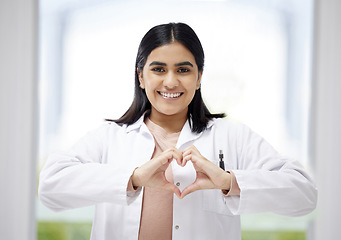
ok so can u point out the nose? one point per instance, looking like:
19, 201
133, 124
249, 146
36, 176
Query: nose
171, 81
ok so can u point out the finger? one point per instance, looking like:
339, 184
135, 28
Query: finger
192, 154
189, 189
145, 172
191, 150
186, 159
170, 154
159, 161
171, 187
197, 161
166, 156
177, 155
188, 153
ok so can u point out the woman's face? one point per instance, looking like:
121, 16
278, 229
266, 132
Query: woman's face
170, 78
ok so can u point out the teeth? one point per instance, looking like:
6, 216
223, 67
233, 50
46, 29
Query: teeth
170, 95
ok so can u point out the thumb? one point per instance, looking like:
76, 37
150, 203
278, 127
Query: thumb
189, 189
171, 187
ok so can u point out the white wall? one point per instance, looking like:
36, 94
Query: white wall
18, 117
326, 116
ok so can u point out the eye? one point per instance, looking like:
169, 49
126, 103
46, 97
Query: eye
158, 69
183, 70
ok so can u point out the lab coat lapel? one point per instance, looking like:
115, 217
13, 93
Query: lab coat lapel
139, 125
187, 137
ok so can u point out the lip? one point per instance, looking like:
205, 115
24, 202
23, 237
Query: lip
170, 95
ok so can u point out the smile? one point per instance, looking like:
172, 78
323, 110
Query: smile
170, 95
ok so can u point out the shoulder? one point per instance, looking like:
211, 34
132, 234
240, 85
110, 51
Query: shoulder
233, 129
105, 129
222, 124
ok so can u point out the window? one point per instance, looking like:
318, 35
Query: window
257, 71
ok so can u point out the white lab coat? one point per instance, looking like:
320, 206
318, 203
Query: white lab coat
97, 169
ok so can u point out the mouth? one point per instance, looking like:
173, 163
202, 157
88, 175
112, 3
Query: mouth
170, 95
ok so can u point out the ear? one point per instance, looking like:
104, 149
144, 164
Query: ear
140, 78
199, 79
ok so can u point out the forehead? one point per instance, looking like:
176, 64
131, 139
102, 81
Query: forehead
172, 53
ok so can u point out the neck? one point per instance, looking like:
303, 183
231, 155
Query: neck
171, 123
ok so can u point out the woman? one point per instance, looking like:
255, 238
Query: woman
144, 171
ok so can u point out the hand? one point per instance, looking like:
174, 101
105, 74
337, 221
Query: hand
152, 173
209, 176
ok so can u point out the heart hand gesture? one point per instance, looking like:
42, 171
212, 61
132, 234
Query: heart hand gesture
208, 175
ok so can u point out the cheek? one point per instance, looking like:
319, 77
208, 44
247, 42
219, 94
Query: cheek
192, 84
150, 81
150, 88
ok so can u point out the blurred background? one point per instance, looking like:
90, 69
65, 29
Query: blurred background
66, 65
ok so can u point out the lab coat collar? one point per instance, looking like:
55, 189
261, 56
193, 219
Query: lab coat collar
136, 125
186, 134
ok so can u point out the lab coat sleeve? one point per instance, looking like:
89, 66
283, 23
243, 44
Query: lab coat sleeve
269, 182
78, 178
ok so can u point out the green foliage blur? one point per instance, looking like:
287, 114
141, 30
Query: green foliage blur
63, 231
273, 235
81, 231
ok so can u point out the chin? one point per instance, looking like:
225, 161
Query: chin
171, 112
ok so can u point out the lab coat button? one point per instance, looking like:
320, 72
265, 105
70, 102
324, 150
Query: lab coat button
176, 226
178, 184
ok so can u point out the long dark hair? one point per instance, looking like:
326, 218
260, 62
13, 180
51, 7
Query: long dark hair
158, 36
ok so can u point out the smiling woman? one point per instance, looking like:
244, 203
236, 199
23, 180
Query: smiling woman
175, 60
167, 143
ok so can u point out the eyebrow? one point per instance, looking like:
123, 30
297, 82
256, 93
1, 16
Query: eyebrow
157, 63
184, 64
164, 64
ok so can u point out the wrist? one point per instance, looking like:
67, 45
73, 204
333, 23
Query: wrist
226, 181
